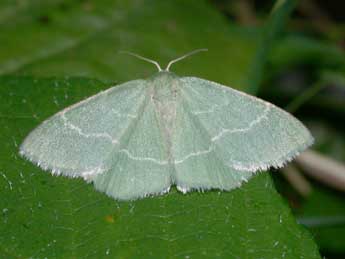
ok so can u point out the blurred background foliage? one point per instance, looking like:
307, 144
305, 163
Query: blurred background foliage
298, 64
305, 73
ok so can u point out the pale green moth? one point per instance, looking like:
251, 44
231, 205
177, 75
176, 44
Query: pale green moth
143, 136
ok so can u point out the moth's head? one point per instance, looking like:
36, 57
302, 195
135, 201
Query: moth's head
163, 77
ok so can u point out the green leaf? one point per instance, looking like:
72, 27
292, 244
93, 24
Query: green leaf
55, 217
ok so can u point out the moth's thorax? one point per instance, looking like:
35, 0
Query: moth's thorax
165, 90
164, 85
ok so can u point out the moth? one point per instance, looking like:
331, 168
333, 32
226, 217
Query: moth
143, 136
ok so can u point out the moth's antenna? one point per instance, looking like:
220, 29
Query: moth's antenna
183, 57
143, 58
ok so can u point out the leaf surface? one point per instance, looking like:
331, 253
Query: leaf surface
58, 217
